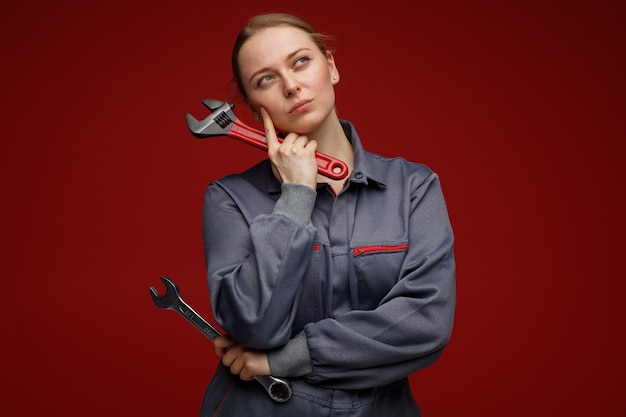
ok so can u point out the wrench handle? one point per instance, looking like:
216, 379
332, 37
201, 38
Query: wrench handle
197, 321
278, 389
327, 165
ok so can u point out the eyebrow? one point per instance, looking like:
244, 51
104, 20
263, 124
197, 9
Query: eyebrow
290, 56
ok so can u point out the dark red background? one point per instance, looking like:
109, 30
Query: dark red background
519, 106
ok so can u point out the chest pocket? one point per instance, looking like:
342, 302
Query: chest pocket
377, 270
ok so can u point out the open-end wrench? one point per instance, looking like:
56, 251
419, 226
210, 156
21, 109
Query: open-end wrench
223, 122
278, 389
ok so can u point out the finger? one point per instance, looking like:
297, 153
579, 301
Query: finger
253, 365
220, 351
235, 367
223, 341
246, 375
270, 131
293, 144
245, 367
230, 356
222, 344
311, 145
288, 144
301, 142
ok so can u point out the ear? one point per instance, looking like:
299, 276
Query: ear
332, 68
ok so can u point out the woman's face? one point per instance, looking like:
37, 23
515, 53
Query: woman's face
284, 71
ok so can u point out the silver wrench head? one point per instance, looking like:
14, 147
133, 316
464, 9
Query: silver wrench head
218, 123
212, 104
171, 296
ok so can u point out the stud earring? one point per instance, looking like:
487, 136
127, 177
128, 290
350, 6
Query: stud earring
257, 117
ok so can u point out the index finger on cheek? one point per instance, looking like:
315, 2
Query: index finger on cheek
270, 132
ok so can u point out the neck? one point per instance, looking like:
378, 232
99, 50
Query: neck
332, 140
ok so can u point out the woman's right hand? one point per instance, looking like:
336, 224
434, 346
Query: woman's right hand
241, 360
294, 159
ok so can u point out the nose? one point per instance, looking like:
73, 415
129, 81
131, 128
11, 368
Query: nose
290, 85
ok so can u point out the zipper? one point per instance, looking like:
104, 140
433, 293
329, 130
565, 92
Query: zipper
379, 248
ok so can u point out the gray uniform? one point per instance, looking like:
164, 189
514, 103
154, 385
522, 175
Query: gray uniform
349, 293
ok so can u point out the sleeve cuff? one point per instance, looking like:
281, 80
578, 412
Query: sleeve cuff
296, 201
291, 360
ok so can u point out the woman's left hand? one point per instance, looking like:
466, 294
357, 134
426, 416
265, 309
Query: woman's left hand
243, 361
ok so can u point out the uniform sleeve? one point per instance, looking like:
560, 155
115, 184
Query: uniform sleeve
255, 265
411, 325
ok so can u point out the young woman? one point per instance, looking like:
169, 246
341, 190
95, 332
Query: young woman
343, 287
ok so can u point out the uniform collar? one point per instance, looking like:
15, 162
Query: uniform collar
364, 170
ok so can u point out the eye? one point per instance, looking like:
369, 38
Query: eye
262, 81
301, 61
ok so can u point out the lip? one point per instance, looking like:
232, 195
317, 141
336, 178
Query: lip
300, 106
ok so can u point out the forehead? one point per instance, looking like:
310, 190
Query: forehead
272, 45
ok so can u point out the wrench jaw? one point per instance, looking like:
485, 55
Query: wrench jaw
167, 300
212, 104
279, 390
218, 123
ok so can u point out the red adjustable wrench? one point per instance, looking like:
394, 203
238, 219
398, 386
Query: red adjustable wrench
223, 122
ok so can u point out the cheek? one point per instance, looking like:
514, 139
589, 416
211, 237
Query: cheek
328, 89
251, 101
265, 98
255, 103
325, 82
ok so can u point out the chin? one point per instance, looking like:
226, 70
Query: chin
302, 127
